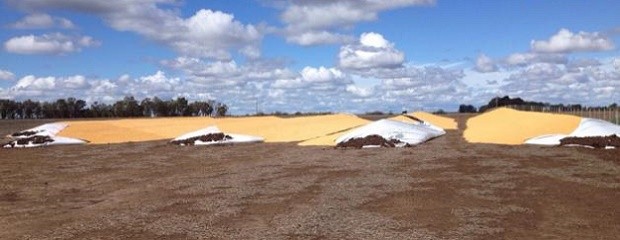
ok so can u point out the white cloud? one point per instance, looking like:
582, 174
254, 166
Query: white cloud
330, 89
95, 7
31, 82
318, 37
75, 82
313, 22
228, 73
358, 91
485, 64
210, 33
92, 89
321, 74
311, 78
556, 83
372, 51
56, 43
6, 75
41, 20
374, 40
103, 87
566, 41
157, 82
524, 59
577, 64
207, 33
291, 83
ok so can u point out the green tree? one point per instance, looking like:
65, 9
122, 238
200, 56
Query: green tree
148, 107
221, 110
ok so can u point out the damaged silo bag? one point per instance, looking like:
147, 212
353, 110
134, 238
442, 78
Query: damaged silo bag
48, 129
43, 135
588, 129
213, 136
395, 133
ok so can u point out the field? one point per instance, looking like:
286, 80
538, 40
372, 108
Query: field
443, 189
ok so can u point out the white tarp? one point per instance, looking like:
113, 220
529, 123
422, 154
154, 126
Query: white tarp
46, 130
57, 141
407, 133
547, 139
235, 138
588, 127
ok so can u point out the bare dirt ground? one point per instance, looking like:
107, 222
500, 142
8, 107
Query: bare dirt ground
444, 189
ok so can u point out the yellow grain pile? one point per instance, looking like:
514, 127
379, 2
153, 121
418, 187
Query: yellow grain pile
439, 121
508, 126
403, 119
297, 128
133, 130
272, 129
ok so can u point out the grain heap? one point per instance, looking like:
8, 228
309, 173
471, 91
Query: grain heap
272, 129
512, 127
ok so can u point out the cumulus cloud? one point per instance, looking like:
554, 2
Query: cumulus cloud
267, 85
566, 41
6, 75
41, 20
428, 87
268, 88
158, 82
557, 83
308, 22
50, 83
211, 34
524, 59
485, 64
372, 51
33, 83
578, 64
74, 82
362, 92
95, 7
94, 89
546, 73
318, 37
56, 43
616, 63
321, 74
320, 78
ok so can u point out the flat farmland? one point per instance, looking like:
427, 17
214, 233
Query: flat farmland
443, 189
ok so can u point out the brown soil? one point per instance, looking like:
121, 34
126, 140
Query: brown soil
211, 137
596, 142
370, 140
443, 189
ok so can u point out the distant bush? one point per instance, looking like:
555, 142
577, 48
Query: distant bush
467, 109
375, 113
127, 107
440, 111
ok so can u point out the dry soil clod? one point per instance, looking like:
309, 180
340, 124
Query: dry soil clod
371, 140
596, 142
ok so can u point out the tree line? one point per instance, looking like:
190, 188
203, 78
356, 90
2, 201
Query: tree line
507, 101
127, 107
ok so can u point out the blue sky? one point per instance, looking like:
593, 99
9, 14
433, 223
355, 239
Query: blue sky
337, 55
